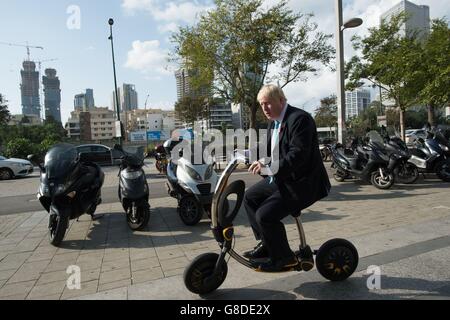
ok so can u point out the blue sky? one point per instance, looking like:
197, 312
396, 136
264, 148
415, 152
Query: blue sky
141, 33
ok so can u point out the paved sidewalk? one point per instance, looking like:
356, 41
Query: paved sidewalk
112, 257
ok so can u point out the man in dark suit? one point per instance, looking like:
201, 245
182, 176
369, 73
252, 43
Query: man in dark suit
296, 179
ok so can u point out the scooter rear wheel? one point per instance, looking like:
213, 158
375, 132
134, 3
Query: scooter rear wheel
190, 211
197, 275
408, 174
443, 170
337, 259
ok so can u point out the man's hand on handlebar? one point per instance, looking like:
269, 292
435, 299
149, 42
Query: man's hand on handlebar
256, 167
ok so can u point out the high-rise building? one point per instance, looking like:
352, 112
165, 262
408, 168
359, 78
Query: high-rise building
80, 102
30, 89
128, 97
184, 87
52, 95
418, 18
84, 101
89, 98
356, 102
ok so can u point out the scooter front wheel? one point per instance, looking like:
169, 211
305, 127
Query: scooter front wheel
140, 220
339, 176
198, 277
190, 211
57, 228
381, 182
337, 259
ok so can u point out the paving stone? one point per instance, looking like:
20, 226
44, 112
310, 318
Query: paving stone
49, 289
20, 289
29, 271
114, 285
87, 288
147, 275
142, 264
116, 275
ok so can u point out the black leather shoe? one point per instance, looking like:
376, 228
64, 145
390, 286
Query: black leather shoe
259, 252
278, 265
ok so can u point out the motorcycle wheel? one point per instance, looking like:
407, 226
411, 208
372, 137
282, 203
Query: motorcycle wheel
190, 211
339, 176
57, 228
408, 173
443, 170
377, 180
142, 217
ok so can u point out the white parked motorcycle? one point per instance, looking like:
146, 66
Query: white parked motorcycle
193, 185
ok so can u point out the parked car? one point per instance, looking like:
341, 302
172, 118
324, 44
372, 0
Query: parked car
13, 168
414, 134
99, 154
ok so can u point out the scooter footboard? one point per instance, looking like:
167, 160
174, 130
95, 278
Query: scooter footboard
225, 216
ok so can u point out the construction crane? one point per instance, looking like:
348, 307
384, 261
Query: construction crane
146, 100
22, 45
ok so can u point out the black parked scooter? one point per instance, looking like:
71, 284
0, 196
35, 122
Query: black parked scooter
367, 162
133, 189
404, 171
432, 155
69, 187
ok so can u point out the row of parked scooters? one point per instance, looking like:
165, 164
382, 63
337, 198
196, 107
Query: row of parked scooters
384, 160
70, 186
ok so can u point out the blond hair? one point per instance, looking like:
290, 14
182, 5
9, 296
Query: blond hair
271, 91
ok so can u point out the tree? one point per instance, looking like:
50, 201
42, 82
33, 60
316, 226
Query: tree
436, 66
366, 121
391, 61
326, 114
19, 148
5, 116
190, 109
234, 46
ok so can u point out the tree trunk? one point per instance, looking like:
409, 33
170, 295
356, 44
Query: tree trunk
431, 118
402, 123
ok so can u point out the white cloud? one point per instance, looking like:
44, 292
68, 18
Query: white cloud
170, 27
184, 12
148, 56
131, 6
170, 13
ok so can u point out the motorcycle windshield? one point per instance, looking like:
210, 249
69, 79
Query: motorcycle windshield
60, 161
374, 136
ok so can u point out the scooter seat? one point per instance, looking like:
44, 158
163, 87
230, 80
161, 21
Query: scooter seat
345, 153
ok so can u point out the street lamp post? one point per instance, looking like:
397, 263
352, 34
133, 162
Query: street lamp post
352, 23
111, 22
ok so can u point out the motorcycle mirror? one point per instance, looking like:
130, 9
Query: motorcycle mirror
35, 161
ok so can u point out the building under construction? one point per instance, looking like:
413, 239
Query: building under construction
30, 89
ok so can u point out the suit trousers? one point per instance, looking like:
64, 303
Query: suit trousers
265, 209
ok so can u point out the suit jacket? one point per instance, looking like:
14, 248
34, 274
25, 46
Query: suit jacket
301, 174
